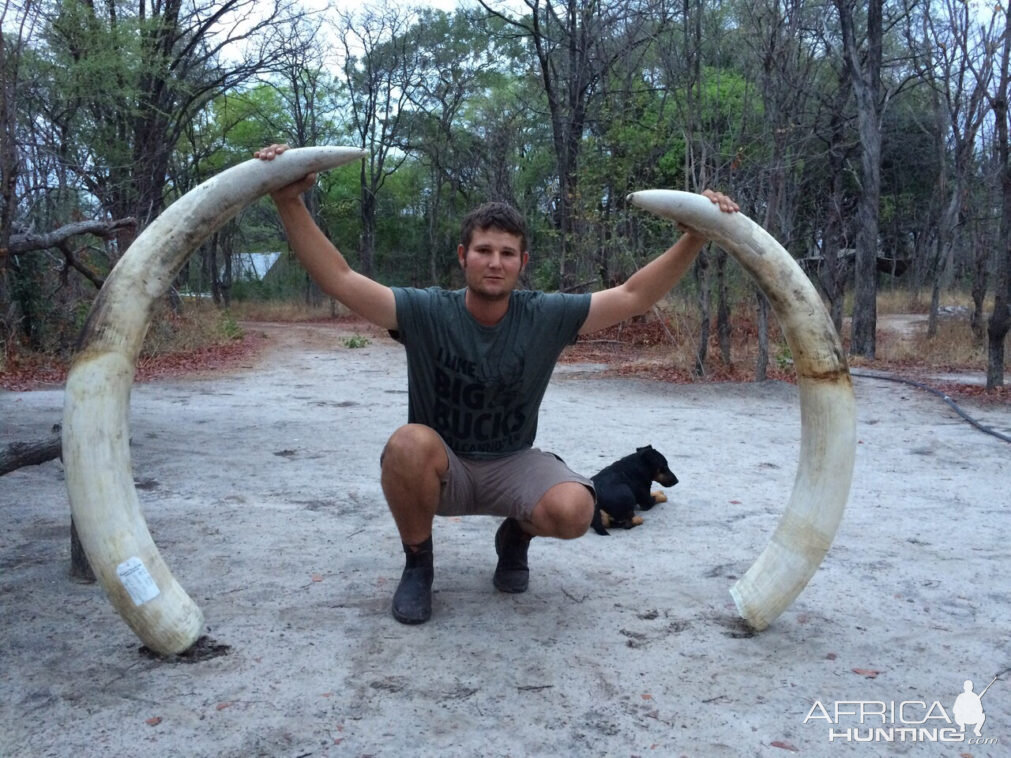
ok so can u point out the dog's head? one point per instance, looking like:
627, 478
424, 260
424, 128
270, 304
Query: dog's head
657, 464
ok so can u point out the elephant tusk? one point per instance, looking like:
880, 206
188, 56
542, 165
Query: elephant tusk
827, 407
96, 451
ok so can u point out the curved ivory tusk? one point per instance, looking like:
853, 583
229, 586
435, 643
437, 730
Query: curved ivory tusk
96, 450
827, 408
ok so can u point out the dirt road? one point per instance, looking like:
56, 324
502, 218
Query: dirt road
260, 487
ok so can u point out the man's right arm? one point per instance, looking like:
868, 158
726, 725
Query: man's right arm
369, 299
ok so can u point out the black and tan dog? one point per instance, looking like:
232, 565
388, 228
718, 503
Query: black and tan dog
625, 485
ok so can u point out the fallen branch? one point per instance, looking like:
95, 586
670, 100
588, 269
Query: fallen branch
20, 454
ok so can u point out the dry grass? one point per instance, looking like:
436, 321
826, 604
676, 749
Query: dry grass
891, 301
286, 312
665, 344
199, 324
661, 345
954, 347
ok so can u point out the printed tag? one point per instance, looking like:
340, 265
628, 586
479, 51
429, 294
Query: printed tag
138, 582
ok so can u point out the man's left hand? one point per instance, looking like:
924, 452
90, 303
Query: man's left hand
727, 205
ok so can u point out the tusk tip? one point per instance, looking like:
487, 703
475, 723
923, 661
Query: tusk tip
658, 201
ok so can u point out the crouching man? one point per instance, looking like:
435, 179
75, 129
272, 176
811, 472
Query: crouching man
479, 360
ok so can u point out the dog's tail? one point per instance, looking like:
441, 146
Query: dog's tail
598, 523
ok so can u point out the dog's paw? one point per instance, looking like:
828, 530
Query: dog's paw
636, 521
659, 497
605, 519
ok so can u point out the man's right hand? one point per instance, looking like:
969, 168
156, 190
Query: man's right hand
289, 192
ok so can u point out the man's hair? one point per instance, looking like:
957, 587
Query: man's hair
501, 216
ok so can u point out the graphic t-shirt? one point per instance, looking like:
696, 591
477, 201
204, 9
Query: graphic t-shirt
479, 386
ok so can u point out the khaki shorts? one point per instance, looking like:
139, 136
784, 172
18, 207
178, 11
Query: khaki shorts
507, 486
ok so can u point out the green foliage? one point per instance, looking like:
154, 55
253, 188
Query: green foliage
355, 341
784, 356
230, 328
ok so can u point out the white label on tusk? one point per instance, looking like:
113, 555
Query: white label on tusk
138, 582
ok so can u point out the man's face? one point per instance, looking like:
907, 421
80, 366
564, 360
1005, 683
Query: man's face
493, 263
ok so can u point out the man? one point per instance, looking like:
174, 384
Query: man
479, 361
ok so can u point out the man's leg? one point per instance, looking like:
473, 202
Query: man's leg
413, 464
564, 511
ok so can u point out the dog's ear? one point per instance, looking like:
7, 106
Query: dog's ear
643, 449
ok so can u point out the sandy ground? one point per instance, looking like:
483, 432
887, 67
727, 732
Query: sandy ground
261, 489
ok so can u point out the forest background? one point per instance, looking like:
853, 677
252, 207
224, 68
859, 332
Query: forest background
871, 139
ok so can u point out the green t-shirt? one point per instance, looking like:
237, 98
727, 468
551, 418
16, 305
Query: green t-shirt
480, 387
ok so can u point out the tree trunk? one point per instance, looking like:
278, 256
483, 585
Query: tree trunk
9, 169
80, 569
834, 274
1000, 319
701, 270
723, 327
865, 70
367, 246
935, 305
980, 282
762, 363
213, 275
226, 280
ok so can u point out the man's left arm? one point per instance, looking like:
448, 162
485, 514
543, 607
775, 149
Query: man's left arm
646, 286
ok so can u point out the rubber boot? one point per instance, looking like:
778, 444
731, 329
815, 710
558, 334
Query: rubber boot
412, 602
511, 543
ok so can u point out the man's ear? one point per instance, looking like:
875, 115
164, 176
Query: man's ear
525, 259
461, 256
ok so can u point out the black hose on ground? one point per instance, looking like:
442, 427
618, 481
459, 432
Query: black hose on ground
944, 397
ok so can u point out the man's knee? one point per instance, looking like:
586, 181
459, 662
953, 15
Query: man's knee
414, 447
568, 508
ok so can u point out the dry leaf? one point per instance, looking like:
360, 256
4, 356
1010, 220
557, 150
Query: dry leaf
869, 673
153, 721
784, 745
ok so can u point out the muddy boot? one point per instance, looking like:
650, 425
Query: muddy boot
412, 602
511, 543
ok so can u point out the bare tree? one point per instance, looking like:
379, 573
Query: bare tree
1000, 319
306, 92
457, 59
11, 48
158, 64
959, 67
833, 273
577, 43
380, 74
780, 40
